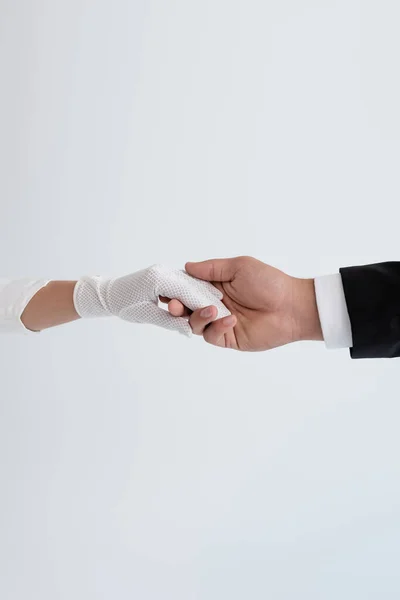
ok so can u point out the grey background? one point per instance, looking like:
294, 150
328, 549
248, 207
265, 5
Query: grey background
135, 463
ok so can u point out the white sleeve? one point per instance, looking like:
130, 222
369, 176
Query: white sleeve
333, 313
14, 296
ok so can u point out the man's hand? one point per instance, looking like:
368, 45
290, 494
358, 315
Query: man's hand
269, 308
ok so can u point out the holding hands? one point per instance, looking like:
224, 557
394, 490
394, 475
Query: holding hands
269, 308
238, 303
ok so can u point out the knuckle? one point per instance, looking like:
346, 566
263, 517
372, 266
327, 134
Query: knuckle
243, 260
212, 272
153, 273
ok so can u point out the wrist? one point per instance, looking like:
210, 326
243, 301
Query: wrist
90, 298
306, 321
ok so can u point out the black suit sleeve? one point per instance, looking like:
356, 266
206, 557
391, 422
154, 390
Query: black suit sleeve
373, 301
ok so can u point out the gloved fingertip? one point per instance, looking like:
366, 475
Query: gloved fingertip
217, 293
185, 332
184, 329
223, 311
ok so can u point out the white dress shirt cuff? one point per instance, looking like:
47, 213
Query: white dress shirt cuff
14, 296
333, 313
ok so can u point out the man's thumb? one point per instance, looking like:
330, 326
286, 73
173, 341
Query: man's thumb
218, 269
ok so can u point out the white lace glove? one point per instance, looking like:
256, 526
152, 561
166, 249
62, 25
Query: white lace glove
135, 297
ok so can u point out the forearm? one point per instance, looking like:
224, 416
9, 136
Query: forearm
50, 306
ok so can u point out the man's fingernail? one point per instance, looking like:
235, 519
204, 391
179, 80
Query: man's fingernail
228, 321
206, 312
